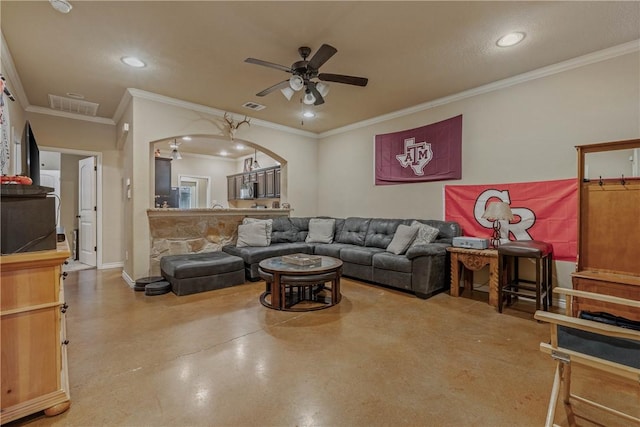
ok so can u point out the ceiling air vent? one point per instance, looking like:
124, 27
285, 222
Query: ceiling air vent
254, 106
71, 105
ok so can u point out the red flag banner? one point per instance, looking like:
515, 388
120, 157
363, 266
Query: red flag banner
428, 153
545, 210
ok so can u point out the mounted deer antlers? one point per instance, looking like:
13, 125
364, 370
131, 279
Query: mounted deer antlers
233, 125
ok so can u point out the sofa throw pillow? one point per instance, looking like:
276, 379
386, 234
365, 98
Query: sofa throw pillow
268, 224
253, 234
321, 230
426, 234
402, 239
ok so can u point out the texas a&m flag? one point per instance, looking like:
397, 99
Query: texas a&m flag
544, 210
428, 153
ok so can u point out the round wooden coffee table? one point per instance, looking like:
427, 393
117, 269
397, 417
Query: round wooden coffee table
293, 287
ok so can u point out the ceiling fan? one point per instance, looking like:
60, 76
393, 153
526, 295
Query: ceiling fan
304, 72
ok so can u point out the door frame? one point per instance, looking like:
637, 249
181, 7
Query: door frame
98, 156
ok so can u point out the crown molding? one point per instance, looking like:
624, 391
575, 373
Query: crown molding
9, 69
581, 61
137, 93
67, 115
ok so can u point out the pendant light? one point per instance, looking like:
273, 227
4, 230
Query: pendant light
255, 164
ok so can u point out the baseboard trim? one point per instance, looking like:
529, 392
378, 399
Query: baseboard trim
128, 279
111, 265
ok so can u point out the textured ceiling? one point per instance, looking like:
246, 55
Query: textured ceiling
412, 52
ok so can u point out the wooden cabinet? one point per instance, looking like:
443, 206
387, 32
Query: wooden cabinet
267, 180
261, 179
163, 176
276, 183
33, 335
269, 191
608, 232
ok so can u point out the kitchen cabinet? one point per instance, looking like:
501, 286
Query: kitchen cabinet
163, 176
266, 180
34, 344
276, 183
261, 179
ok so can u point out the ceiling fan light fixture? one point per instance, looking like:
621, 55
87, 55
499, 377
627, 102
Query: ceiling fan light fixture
308, 114
296, 83
309, 98
323, 88
287, 92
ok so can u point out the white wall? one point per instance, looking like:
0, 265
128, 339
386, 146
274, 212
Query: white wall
521, 133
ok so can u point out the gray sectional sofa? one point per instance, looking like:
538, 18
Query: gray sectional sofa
361, 244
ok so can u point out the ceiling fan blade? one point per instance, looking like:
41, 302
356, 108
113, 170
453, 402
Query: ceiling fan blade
341, 78
321, 56
268, 64
277, 86
316, 93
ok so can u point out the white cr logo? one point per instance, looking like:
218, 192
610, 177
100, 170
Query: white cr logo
519, 229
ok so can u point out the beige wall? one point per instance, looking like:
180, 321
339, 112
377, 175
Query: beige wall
153, 121
525, 132
69, 134
214, 168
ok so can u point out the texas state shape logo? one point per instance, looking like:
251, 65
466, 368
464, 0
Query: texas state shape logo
416, 155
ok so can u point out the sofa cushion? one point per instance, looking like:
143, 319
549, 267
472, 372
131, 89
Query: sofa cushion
283, 230
402, 239
354, 231
321, 230
329, 249
381, 232
389, 261
301, 226
253, 255
253, 234
200, 264
426, 234
268, 223
448, 229
359, 255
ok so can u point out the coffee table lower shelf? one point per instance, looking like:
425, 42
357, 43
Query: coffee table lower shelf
300, 288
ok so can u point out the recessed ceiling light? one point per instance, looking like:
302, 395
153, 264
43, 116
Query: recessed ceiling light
132, 61
186, 138
510, 39
308, 114
224, 153
61, 6
239, 147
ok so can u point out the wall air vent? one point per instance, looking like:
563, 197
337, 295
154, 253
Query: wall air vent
71, 105
254, 106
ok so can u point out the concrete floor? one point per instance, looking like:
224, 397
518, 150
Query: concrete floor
379, 358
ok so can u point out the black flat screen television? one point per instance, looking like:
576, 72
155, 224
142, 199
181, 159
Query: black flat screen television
30, 155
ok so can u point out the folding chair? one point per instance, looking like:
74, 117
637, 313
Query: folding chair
600, 346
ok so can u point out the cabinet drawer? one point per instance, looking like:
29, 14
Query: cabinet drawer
29, 287
30, 355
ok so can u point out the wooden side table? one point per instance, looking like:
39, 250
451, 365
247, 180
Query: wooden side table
465, 261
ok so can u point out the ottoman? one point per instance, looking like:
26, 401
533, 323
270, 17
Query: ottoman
193, 273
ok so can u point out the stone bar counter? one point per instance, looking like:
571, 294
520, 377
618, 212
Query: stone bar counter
183, 231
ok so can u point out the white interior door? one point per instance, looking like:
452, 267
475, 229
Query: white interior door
51, 178
87, 210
